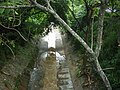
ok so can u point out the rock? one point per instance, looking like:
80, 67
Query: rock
36, 79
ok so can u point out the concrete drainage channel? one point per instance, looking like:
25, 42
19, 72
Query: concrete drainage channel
54, 73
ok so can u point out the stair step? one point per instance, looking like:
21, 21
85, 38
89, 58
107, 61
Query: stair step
64, 78
64, 75
66, 87
62, 66
63, 72
63, 82
61, 78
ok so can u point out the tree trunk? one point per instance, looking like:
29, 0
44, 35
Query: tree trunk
99, 69
91, 29
98, 48
99, 40
102, 74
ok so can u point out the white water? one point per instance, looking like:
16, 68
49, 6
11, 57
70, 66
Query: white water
52, 36
53, 39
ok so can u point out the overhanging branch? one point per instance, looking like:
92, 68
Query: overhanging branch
17, 6
15, 30
112, 68
51, 11
10, 50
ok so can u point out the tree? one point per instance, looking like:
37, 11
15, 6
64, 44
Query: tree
94, 54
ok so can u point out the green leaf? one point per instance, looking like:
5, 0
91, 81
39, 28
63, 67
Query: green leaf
16, 13
12, 43
10, 18
2, 11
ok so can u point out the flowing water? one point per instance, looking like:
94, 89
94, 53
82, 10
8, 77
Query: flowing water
54, 73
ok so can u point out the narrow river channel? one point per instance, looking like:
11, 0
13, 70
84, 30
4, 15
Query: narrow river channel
55, 74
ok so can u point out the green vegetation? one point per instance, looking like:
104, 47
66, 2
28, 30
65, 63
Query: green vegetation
19, 25
29, 54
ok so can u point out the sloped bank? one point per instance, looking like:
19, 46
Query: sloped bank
71, 59
15, 74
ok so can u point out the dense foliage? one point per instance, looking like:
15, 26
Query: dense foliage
110, 53
18, 26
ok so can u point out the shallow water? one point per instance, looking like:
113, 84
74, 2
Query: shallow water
56, 71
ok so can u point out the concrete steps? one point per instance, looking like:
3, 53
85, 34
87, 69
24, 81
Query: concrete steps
64, 79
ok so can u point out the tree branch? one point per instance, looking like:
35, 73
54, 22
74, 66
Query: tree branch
92, 37
51, 11
15, 30
108, 68
19, 19
73, 14
86, 4
17, 6
10, 50
94, 55
8, 45
100, 30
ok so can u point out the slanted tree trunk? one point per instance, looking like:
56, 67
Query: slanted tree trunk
99, 40
102, 74
98, 48
91, 29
